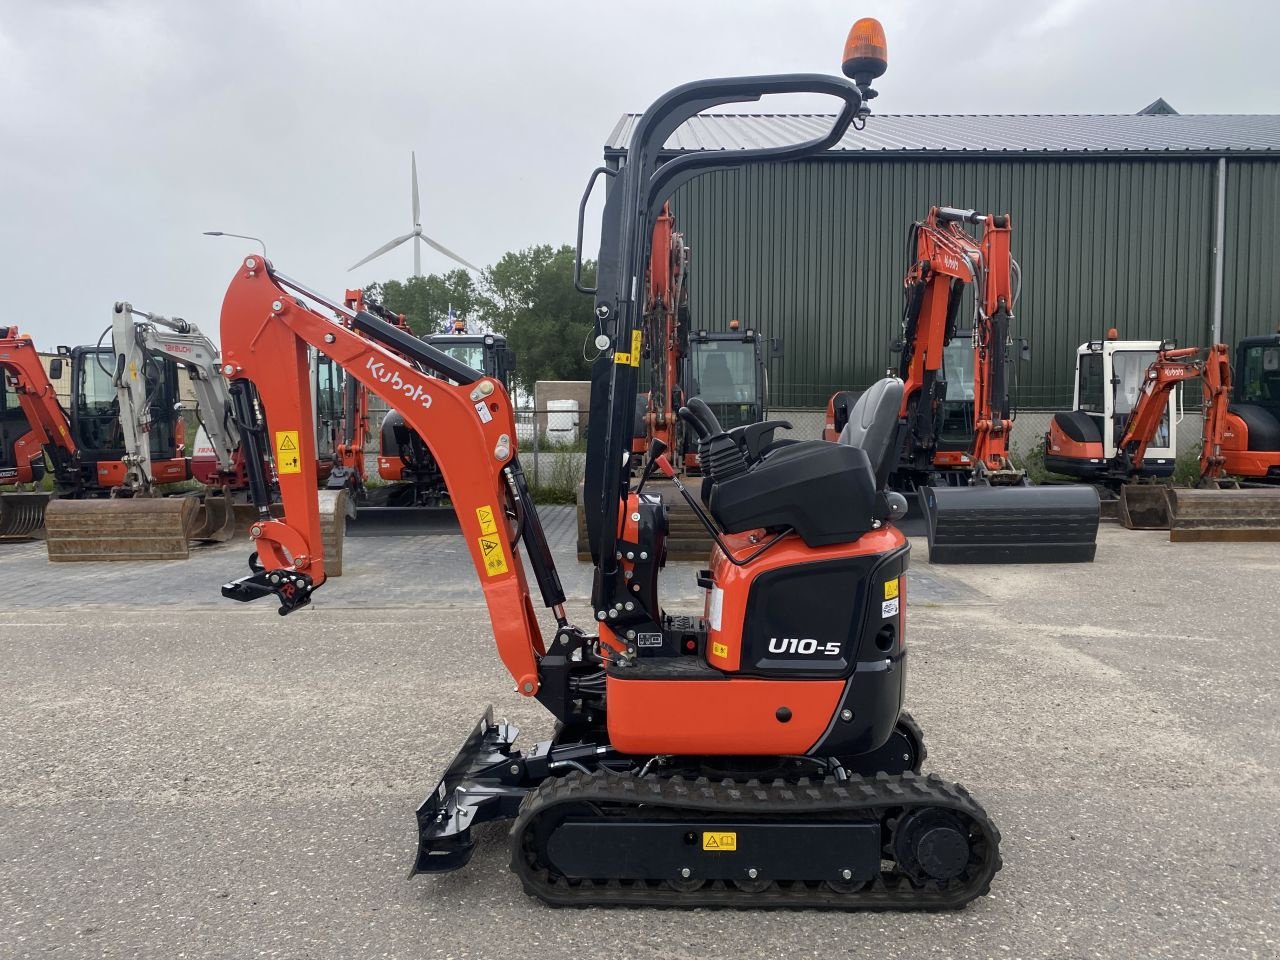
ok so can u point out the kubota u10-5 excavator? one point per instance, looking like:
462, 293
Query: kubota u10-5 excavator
754, 756
979, 507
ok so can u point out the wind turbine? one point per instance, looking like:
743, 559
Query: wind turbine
416, 235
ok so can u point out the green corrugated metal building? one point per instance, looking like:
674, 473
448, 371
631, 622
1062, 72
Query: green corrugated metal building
1132, 221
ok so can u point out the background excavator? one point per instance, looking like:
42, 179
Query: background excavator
1122, 435
728, 369
754, 756
34, 429
978, 506
415, 495
127, 425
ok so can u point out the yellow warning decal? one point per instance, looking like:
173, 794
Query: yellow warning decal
495, 558
891, 588
719, 650
287, 459
487, 523
622, 358
720, 842
635, 348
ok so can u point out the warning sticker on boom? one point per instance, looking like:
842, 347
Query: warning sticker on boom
720, 842
287, 459
495, 559
487, 523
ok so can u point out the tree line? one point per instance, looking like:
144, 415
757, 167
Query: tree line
528, 296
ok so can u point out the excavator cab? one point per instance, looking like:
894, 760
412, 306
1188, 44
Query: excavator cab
95, 418
1254, 452
727, 370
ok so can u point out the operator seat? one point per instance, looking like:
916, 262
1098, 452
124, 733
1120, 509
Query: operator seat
827, 492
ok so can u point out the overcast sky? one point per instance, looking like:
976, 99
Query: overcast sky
128, 128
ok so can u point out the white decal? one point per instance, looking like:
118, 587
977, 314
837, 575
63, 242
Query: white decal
804, 646
717, 608
889, 608
648, 639
393, 380
483, 410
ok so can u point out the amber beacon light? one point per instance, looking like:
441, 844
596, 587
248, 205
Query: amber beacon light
866, 54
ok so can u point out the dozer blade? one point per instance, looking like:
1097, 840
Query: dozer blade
214, 520
135, 528
1144, 506
1249, 514
22, 515
983, 524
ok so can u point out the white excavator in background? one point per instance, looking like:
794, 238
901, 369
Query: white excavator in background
126, 418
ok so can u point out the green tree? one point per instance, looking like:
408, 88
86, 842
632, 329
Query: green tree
425, 301
529, 297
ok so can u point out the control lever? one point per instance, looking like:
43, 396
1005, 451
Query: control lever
657, 448
698, 407
754, 437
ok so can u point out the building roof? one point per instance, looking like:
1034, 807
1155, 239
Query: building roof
986, 134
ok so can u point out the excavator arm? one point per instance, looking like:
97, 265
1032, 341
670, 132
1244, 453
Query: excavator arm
1217, 398
268, 323
1170, 368
137, 341
944, 259
50, 432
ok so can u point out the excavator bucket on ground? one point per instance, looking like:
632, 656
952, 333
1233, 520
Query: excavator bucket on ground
215, 520
1250, 513
1143, 506
994, 524
22, 515
125, 528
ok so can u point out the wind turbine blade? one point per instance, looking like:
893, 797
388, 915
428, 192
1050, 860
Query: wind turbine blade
447, 252
381, 250
417, 212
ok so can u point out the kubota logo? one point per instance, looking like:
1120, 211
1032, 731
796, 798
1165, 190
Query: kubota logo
396, 382
804, 646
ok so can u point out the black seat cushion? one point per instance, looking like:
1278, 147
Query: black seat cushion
825, 491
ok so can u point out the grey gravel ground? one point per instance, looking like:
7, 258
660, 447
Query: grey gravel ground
224, 782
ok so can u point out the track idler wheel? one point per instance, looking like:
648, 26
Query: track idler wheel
931, 844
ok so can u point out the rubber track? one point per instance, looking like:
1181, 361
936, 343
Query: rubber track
882, 797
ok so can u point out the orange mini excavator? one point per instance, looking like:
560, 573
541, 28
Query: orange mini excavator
33, 426
755, 756
956, 415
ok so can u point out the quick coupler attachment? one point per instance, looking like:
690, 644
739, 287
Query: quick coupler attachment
293, 589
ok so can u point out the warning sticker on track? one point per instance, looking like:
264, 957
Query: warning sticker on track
720, 842
487, 523
495, 559
891, 588
287, 459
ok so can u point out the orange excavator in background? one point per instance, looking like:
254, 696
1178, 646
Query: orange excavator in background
33, 427
728, 369
979, 507
755, 756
